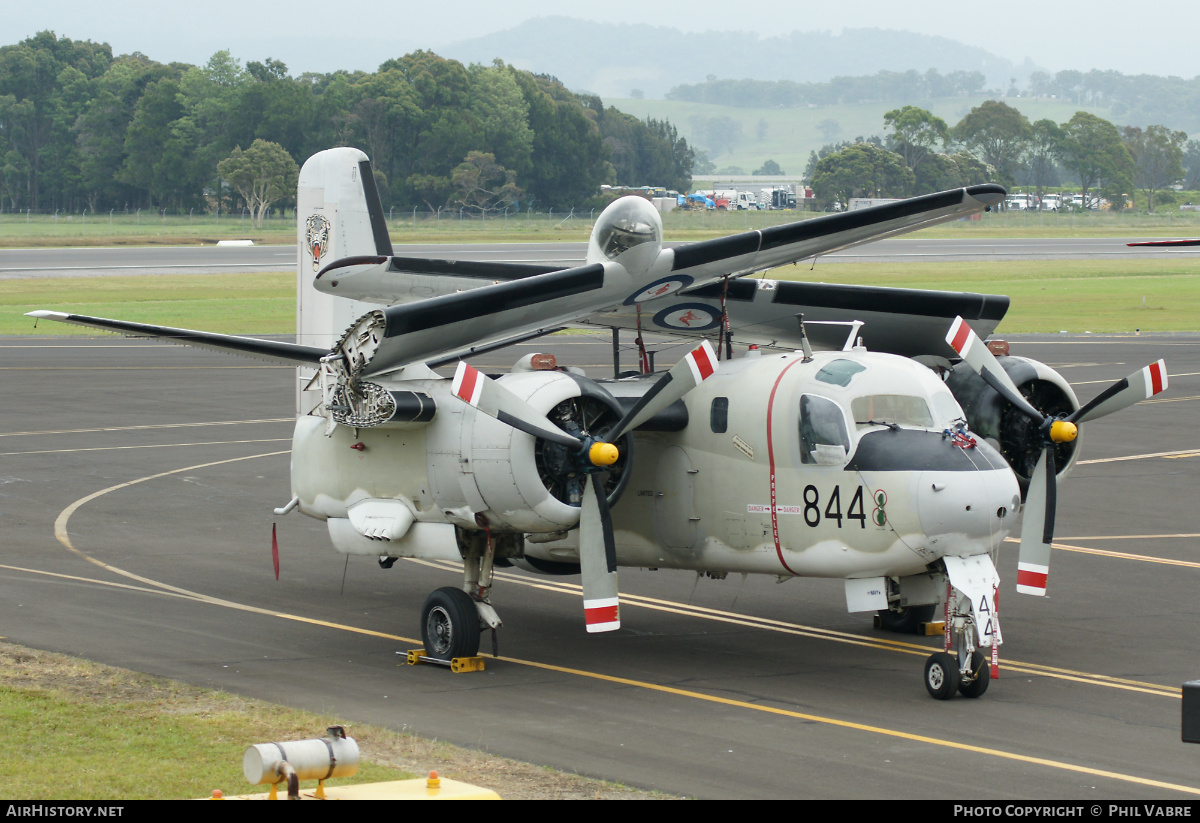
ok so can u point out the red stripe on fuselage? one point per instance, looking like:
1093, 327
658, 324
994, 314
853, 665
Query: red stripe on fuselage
771, 461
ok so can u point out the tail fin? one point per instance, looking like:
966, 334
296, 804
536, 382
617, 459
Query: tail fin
338, 215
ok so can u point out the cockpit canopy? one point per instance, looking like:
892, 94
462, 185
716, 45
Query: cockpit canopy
628, 232
850, 397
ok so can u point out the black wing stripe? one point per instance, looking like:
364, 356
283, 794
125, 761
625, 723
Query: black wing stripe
711, 251
489, 300
469, 268
777, 236
739, 290
892, 301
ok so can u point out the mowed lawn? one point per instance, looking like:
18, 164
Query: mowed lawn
1047, 296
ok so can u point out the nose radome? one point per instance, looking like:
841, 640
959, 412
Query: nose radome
967, 506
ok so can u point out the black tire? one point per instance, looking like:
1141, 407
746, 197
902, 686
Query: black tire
941, 676
450, 624
908, 620
983, 676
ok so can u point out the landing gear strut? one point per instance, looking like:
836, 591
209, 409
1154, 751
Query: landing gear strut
971, 622
453, 619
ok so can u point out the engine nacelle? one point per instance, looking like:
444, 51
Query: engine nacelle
480, 466
1013, 433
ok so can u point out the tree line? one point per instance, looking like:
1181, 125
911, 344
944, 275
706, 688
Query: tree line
82, 129
994, 142
884, 85
1139, 98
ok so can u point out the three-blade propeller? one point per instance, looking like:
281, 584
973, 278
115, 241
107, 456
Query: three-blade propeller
1037, 530
597, 549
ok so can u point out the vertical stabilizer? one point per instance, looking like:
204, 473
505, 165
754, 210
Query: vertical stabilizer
338, 214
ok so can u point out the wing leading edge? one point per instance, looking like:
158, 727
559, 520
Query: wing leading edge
529, 302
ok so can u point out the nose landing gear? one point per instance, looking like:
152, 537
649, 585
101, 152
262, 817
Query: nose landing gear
972, 624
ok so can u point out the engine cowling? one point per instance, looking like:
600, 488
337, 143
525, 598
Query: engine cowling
481, 466
1014, 434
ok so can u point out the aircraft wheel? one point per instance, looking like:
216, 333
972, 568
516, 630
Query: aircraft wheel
908, 620
450, 624
979, 665
941, 675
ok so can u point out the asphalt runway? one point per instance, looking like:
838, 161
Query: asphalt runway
137, 481
97, 262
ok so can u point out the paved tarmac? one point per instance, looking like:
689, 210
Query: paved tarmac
136, 485
97, 262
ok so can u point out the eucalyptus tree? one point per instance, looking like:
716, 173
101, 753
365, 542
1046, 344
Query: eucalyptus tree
1091, 148
998, 134
915, 134
262, 174
1157, 156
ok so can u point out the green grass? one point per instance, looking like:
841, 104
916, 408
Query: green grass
223, 303
422, 227
97, 750
1047, 296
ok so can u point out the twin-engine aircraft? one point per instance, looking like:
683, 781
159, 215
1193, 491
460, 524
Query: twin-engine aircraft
843, 443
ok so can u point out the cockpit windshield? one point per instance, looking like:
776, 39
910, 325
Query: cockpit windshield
891, 409
625, 227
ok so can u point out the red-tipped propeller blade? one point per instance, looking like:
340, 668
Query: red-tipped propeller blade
477, 389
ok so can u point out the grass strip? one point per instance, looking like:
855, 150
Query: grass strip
78, 730
1101, 296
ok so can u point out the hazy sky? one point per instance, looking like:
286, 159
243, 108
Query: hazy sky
1158, 39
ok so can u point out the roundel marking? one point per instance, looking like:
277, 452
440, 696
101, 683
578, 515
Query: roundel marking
688, 317
660, 288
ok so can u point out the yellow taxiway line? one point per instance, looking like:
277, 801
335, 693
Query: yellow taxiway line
61, 533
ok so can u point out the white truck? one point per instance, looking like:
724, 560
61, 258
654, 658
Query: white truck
1021, 202
739, 200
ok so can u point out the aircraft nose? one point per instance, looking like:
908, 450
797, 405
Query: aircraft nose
967, 510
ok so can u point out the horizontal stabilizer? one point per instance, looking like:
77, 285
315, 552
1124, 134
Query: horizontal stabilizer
272, 350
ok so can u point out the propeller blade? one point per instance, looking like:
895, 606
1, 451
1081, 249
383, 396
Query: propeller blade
1135, 388
477, 389
974, 351
1037, 530
697, 366
598, 558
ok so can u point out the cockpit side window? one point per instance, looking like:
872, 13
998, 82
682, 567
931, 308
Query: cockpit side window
823, 439
718, 416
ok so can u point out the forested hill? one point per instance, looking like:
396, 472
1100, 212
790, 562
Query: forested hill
611, 59
80, 128
1136, 100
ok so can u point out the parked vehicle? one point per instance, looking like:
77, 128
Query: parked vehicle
1051, 202
1021, 202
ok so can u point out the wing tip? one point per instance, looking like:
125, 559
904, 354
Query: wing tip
990, 194
42, 314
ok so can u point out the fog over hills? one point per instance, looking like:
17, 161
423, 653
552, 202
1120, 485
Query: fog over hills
612, 59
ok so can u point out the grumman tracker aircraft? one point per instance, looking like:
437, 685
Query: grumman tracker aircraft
872, 458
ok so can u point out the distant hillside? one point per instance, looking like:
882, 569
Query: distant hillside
614, 59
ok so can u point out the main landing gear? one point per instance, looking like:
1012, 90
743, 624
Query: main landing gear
453, 619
